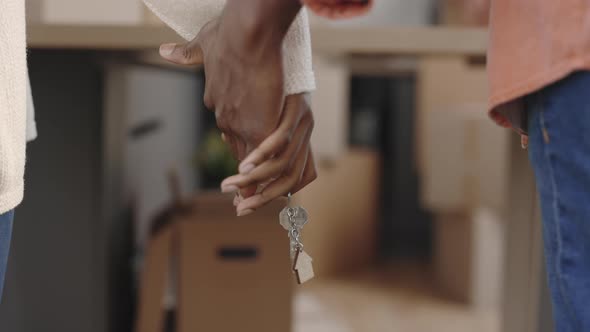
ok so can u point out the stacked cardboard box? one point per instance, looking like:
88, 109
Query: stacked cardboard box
463, 161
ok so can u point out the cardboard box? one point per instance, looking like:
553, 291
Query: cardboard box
331, 107
466, 159
442, 83
343, 207
234, 274
469, 257
463, 163
452, 259
463, 156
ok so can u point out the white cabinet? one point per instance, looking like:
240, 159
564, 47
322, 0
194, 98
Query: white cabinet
159, 111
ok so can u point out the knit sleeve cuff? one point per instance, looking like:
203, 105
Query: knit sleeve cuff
187, 17
297, 57
11, 197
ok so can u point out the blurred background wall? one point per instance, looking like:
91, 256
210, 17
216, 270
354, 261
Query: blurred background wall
409, 213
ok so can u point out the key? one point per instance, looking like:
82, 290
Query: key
298, 217
293, 219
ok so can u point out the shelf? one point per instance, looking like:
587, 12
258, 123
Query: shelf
337, 41
391, 41
99, 37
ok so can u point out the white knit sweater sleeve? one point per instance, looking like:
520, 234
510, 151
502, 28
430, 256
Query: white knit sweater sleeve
187, 17
13, 102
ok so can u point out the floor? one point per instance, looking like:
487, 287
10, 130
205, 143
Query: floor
384, 300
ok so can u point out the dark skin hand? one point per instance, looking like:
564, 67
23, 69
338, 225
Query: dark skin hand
242, 56
285, 156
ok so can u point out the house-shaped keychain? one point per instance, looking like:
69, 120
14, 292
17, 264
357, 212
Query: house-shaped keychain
303, 267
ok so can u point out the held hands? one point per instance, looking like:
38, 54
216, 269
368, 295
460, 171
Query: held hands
282, 164
244, 84
244, 87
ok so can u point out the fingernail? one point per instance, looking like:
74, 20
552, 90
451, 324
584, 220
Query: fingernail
244, 213
245, 169
167, 49
229, 189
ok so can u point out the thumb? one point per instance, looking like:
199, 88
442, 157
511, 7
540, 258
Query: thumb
182, 54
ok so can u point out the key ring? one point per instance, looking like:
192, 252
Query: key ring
293, 218
295, 235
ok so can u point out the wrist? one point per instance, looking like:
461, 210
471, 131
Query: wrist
276, 15
263, 23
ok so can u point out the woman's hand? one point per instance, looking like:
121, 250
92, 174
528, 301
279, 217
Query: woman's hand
282, 164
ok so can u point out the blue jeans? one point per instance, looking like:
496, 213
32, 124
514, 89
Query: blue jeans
5, 235
559, 150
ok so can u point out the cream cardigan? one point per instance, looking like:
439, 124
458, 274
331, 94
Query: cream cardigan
13, 102
185, 16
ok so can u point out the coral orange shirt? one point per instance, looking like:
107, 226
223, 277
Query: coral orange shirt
533, 43
339, 8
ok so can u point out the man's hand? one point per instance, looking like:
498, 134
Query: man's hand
241, 53
282, 164
242, 56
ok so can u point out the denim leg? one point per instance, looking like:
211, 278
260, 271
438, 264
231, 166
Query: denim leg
559, 150
5, 235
